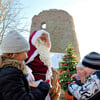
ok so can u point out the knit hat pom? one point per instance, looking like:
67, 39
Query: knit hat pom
14, 42
92, 60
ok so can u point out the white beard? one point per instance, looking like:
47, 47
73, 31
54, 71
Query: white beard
44, 52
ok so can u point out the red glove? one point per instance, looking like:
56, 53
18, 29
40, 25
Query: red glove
47, 80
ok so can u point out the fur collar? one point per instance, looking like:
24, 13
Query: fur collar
8, 61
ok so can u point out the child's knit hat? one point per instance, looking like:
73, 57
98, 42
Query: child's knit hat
79, 65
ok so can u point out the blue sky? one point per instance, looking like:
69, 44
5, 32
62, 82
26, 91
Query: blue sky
86, 17
34, 7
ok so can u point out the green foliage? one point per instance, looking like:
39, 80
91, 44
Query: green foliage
67, 67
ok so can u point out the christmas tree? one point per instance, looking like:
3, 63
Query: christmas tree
67, 67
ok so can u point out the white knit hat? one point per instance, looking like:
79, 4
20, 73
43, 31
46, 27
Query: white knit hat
14, 42
79, 65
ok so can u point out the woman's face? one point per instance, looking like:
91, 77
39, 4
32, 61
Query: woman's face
20, 56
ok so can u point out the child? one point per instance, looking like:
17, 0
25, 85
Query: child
13, 82
80, 76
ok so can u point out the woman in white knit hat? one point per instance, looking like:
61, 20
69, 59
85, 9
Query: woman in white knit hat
13, 81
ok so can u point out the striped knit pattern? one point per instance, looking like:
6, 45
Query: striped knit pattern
92, 60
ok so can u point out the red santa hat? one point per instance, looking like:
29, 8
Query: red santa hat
32, 40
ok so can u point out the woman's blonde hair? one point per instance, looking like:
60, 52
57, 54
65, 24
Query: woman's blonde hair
6, 61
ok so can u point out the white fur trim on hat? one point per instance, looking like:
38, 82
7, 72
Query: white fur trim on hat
14, 42
37, 35
32, 57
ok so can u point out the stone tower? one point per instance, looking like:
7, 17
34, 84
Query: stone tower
60, 25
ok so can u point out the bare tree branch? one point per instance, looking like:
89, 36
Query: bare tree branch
9, 16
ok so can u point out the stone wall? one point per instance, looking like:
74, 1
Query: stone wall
60, 25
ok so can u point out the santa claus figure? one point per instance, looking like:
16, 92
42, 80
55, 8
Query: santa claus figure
39, 59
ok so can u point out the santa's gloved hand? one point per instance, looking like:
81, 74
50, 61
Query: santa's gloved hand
30, 77
31, 80
35, 83
48, 81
